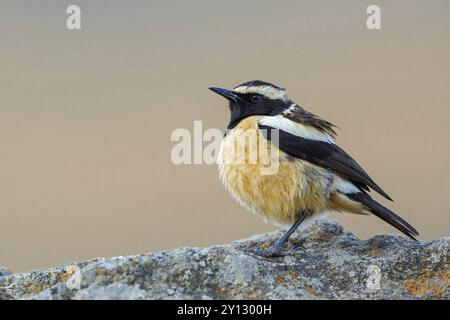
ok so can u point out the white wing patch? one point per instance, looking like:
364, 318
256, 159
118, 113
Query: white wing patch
344, 186
295, 128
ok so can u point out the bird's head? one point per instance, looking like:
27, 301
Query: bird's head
254, 98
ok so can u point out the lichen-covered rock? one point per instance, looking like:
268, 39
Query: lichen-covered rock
4, 272
323, 262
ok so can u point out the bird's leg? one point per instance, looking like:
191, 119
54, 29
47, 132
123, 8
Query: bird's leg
277, 247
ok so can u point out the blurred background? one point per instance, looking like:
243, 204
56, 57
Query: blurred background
86, 116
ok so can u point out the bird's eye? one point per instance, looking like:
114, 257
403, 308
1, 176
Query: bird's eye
255, 98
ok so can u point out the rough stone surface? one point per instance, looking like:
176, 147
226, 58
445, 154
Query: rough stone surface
4, 272
323, 262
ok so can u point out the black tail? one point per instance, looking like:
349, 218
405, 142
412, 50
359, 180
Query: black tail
385, 214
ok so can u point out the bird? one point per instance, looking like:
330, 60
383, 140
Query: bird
314, 175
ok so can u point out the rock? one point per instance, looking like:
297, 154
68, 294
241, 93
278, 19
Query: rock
4, 272
323, 262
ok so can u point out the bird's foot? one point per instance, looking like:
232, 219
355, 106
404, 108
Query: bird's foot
272, 252
297, 247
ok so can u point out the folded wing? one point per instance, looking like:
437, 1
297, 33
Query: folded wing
324, 154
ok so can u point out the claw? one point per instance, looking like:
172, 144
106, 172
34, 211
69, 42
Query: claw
265, 253
297, 247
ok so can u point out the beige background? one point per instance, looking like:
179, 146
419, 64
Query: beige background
86, 116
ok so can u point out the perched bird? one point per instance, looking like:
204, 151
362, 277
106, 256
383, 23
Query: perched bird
314, 175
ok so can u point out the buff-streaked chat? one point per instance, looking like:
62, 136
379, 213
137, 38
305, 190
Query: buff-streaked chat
313, 175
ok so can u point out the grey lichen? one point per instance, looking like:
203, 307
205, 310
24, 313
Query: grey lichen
323, 262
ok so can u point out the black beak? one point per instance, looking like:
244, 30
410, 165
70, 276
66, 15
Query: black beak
228, 94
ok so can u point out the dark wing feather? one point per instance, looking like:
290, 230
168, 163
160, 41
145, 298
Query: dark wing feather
325, 155
300, 115
385, 214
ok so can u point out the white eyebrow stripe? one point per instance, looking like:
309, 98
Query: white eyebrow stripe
295, 128
268, 91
